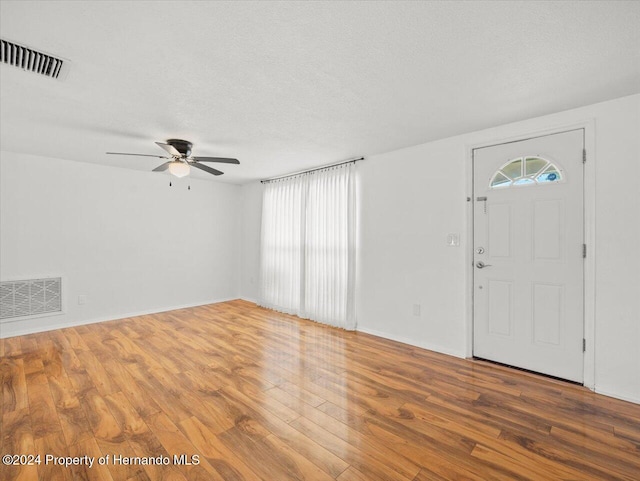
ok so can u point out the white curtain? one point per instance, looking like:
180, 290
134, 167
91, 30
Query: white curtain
308, 246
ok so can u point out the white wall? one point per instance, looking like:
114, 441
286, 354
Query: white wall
412, 198
123, 238
250, 242
409, 201
617, 269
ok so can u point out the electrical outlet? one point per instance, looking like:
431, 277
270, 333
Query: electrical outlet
416, 309
82, 299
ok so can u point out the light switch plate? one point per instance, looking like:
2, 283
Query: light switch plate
453, 240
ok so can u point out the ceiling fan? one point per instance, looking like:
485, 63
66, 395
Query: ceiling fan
181, 161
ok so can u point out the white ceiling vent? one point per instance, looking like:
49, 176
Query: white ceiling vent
31, 297
32, 60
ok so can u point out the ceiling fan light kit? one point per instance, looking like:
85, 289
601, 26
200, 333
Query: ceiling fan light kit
179, 169
181, 161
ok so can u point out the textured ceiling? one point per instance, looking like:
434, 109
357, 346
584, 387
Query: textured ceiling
285, 86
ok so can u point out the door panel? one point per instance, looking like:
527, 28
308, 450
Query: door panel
548, 229
528, 236
548, 302
500, 308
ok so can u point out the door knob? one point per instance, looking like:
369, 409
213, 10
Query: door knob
482, 265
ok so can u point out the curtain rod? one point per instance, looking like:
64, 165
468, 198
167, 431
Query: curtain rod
263, 181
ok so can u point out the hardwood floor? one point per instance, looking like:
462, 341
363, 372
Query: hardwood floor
259, 395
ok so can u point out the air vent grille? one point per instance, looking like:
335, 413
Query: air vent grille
29, 59
32, 297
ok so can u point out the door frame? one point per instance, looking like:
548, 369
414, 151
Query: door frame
589, 206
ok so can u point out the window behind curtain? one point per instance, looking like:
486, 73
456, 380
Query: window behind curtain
308, 246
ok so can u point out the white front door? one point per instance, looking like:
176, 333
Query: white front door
528, 254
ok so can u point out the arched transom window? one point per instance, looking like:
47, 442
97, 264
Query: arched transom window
526, 171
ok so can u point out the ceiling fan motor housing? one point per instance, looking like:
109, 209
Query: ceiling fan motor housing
182, 146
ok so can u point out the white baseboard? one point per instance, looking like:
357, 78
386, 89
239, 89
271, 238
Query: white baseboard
424, 345
17, 328
12, 329
623, 397
461, 354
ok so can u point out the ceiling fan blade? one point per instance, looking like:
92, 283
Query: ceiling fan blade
169, 148
205, 168
138, 155
223, 160
163, 167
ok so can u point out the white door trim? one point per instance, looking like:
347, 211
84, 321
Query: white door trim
589, 234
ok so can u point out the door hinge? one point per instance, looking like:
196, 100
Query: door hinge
584, 251
584, 345
584, 156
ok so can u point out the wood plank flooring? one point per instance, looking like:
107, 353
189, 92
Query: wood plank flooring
258, 395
